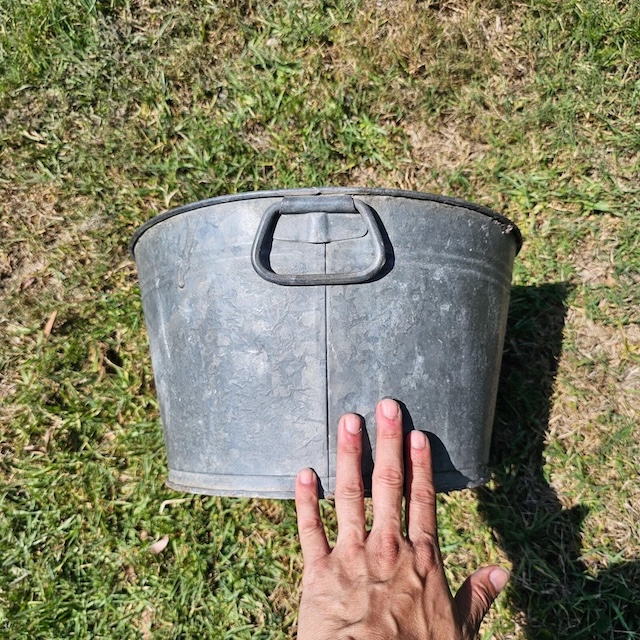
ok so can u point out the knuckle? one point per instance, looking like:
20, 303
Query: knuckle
388, 546
390, 432
390, 477
309, 525
484, 597
419, 460
350, 448
351, 552
306, 504
423, 494
350, 490
428, 550
313, 573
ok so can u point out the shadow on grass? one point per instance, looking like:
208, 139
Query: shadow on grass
549, 583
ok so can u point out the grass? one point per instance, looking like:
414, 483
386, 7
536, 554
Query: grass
112, 111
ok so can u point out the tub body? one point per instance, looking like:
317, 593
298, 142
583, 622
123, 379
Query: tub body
270, 314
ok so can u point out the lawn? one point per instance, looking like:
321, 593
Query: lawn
112, 111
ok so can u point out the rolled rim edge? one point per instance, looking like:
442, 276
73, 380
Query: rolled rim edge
510, 228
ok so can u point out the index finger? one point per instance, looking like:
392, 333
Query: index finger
349, 494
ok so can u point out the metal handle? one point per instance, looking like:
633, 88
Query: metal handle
309, 204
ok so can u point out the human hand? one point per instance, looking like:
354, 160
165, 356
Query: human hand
383, 584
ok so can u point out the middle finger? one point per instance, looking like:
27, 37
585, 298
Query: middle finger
388, 470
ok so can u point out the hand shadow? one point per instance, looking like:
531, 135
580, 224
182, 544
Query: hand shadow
550, 583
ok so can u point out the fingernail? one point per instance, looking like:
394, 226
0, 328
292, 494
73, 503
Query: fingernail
418, 439
389, 408
307, 476
499, 578
352, 424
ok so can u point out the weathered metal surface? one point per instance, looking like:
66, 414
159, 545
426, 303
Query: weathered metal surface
252, 375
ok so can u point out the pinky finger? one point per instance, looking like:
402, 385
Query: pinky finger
312, 537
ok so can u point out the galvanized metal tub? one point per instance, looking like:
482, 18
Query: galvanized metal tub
270, 314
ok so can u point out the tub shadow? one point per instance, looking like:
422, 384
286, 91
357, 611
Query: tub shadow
446, 476
550, 583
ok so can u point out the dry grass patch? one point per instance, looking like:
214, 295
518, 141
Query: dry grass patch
596, 406
594, 257
29, 221
460, 63
445, 149
44, 234
366, 175
599, 376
